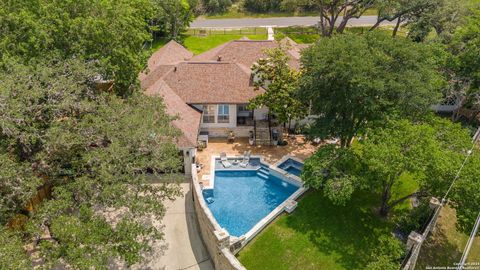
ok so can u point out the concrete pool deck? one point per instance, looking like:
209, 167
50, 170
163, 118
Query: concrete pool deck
185, 248
297, 147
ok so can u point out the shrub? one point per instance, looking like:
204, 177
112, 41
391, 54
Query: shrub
216, 6
414, 220
262, 5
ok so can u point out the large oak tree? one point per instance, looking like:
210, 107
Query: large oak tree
96, 152
353, 81
429, 153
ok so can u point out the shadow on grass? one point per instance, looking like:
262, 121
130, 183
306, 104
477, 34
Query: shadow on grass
445, 245
348, 234
438, 251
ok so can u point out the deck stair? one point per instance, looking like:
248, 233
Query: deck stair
263, 171
262, 133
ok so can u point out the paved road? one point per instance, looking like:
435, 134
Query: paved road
277, 22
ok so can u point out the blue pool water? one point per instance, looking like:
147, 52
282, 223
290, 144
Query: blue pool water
292, 166
242, 198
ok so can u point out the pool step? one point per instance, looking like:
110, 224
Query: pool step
264, 170
262, 175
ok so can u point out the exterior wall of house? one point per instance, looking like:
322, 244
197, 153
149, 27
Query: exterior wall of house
223, 129
239, 131
232, 117
260, 113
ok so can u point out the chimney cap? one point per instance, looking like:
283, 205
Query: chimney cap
219, 59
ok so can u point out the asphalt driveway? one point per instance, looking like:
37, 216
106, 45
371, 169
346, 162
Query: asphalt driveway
277, 22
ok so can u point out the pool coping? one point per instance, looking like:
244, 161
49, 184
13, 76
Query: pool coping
261, 224
282, 160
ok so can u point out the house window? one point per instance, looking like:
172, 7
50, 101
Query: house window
223, 113
243, 108
208, 113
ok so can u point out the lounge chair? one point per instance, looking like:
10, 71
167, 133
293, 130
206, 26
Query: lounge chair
224, 160
246, 159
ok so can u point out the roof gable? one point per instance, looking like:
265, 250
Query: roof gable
244, 52
169, 54
188, 120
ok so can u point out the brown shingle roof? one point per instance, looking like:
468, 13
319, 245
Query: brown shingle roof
188, 118
169, 54
155, 75
244, 52
211, 82
247, 52
205, 80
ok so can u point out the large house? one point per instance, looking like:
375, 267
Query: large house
209, 92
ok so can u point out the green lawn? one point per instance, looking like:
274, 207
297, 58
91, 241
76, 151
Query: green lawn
446, 244
319, 235
405, 186
301, 35
309, 35
197, 44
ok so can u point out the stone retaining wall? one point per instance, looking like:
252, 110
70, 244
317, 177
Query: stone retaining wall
215, 238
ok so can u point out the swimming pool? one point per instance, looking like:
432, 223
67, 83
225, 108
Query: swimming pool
291, 166
241, 199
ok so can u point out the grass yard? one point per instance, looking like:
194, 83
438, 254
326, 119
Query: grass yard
301, 35
309, 35
445, 246
200, 44
320, 235
197, 44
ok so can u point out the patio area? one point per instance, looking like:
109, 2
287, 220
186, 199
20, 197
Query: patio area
298, 147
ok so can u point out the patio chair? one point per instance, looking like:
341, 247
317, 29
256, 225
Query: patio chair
224, 160
246, 159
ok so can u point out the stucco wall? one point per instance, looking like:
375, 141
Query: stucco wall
232, 117
215, 238
239, 132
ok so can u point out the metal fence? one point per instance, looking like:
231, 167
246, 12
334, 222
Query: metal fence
227, 31
416, 240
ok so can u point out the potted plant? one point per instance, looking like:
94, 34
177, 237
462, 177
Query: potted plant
275, 137
201, 145
231, 136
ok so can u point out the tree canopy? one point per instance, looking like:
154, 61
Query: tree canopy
173, 17
356, 81
96, 151
426, 155
112, 34
280, 82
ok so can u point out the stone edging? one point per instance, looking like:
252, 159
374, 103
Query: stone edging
216, 239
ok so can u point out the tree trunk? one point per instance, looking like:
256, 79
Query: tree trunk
379, 21
392, 204
385, 208
395, 30
342, 26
